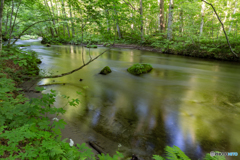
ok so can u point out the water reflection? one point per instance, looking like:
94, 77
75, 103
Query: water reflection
191, 103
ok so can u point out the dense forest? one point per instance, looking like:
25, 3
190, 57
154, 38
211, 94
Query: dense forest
197, 28
179, 27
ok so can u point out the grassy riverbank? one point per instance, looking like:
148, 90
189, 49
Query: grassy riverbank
25, 133
198, 47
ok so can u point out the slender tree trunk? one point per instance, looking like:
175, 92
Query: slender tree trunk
15, 19
161, 16
170, 20
64, 12
49, 10
202, 20
108, 25
212, 24
10, 32
53, 16
116, 19
166, 21
181, 21
226, 14
234, 11
132, 25
141, 16
6, 25
73, 32
51, 31
1, 15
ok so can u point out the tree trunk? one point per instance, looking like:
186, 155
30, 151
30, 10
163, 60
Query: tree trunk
1, 15
234, 11
53, 16
181, 21
10, 31
64, 12
132, 25
49, 10
226, 14
107, 16
161, 16
116, 19
6, 25
73, 32
170, 20
141, 17
202, 21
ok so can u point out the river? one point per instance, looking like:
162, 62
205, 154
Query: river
188, 102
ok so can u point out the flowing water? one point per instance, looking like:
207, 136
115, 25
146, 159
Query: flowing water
191, 103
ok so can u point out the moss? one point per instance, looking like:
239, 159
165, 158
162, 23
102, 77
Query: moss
138, 69
106, 70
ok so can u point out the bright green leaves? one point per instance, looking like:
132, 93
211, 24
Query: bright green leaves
107, 157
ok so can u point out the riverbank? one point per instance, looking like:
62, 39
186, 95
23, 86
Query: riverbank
206, 49
27, 128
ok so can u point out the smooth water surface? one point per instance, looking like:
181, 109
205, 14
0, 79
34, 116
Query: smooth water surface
191, 103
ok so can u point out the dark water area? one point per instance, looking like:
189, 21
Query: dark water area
191, 103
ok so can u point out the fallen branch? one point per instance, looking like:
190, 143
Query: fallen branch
64, 74
222, 27
96, 147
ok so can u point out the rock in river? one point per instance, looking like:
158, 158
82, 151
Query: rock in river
138, 69
105, 70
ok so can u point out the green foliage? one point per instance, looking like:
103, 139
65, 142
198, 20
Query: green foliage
27, 37
138, 69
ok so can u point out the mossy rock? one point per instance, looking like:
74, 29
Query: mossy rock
106, 70
38, 61
48, 45
138, 69
24, 45
91, 46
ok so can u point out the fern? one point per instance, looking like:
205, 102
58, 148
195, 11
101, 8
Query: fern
174, 153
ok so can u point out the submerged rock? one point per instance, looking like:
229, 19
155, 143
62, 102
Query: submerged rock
48, 45
138, 69
106, 70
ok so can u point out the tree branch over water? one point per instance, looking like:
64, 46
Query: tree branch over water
222, 27
64, 74
27, 29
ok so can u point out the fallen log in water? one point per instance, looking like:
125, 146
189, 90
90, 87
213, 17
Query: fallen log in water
96, 147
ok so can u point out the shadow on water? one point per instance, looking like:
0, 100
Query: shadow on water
191, 103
